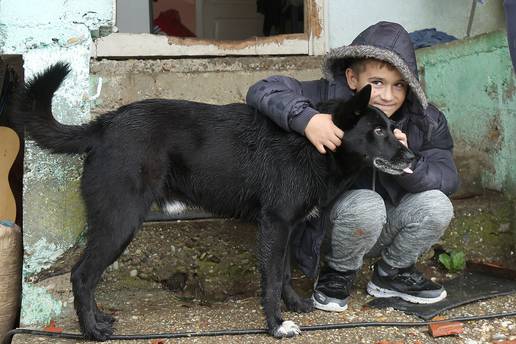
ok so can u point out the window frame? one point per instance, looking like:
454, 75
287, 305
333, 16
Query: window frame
126, 45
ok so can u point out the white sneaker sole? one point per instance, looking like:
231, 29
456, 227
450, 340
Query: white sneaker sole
329, 307
376, 291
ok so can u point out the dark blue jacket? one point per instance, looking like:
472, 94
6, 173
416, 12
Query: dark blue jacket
510, 18
292, 103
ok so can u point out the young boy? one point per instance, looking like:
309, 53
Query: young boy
396, 218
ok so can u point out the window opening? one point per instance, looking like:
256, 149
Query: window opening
211, 19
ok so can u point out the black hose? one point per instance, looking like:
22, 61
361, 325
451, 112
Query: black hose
238, 332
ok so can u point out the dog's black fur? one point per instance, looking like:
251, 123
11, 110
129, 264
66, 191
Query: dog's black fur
227, 159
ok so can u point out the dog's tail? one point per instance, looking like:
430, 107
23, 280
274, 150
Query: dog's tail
33, 112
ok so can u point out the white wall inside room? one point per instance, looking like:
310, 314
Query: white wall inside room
347, 18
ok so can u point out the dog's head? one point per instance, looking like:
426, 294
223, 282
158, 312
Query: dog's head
368, 134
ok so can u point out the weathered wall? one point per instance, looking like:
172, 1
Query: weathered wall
46, 32
211, 80
472, 81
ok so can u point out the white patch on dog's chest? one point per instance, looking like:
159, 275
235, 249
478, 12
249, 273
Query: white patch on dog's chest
174, 207
312, 213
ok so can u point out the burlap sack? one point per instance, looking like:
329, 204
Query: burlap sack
10, 276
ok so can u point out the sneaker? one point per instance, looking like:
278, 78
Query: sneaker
332, 290
407, 284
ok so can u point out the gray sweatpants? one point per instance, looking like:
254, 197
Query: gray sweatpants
364, 225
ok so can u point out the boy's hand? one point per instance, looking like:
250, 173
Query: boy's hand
401, 137
323, 133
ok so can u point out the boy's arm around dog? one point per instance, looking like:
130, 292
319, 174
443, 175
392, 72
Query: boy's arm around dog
288, 102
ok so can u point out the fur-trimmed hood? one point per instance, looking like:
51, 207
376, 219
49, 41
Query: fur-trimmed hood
384, 41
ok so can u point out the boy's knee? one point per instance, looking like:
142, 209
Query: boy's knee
437, 208
363, 209
442, 206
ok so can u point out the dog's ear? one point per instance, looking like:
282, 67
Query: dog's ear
361, 100
347, 114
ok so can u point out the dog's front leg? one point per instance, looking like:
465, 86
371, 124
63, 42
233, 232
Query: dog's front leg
272, 248
291, 298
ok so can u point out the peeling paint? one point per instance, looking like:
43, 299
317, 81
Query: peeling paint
40, 256
473, 83
47, 32
313, 18
509, 89
3, 36
38, 306
236, 44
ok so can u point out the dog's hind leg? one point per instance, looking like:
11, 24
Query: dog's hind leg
292, 300
112, 225
273, 240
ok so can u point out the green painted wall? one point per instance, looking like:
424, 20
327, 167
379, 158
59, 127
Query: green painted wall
473, 82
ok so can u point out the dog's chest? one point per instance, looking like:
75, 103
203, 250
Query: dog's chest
312, 214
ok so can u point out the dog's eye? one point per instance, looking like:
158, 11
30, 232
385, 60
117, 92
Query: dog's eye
378, 131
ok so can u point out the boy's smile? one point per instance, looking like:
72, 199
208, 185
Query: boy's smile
389, 90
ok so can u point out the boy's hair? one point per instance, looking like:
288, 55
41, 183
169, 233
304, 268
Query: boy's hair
359, 65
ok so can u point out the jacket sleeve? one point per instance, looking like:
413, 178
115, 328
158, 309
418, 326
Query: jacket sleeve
287, 101
435, 168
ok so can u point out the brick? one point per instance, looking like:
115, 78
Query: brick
51, 327
446, 329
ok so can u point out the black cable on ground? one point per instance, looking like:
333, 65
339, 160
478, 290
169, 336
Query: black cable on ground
238, 332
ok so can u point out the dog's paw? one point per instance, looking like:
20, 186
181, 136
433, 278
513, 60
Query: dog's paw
100, 332
287, 329
102, 317
301, 305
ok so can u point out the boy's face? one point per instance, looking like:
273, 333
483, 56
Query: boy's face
389, 90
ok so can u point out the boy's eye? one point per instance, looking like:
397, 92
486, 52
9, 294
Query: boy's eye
376, 83
378, 131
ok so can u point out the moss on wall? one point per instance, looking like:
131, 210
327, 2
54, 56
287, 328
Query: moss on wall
483, 228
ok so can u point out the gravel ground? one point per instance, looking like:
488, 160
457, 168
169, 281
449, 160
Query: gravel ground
148, 308
217, 260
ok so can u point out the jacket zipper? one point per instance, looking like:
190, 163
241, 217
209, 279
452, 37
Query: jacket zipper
374, 180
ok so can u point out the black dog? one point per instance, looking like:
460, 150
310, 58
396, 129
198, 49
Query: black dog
227, 159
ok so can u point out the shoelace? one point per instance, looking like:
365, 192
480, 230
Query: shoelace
412, 277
